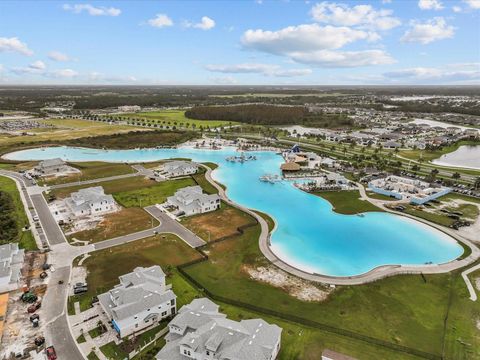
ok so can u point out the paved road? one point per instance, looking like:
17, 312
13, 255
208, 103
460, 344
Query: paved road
94, 181
168, 225
52, 230
57, 331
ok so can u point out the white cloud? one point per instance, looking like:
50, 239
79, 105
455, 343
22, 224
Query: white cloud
474, 4
63, 73
331, 59
205, 23
38, 65
14, 45
58, 56
302, 38
430, 4
432, 30
359, 15
456, 9
447, 73
160, 21
92, 10
253, 68
37, 68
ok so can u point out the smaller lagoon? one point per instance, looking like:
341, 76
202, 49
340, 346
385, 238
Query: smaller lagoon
466, 156
309, 235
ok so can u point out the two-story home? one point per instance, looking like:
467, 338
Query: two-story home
178, 168
191, 200
141, 301
52, 167
201, 332
90, 201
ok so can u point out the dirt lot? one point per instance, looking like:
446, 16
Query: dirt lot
19, 333
219, 223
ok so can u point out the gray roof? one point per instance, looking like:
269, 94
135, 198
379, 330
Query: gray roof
245, 340
51, 162
173, 165
11, 261
142, 289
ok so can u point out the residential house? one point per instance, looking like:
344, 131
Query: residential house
11, 263
178, 168
191, 200
333, 355
141, 301
90, 201
201, 332
52, 167
392, 145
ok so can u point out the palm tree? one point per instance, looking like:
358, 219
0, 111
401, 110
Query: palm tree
456, 175
476, 184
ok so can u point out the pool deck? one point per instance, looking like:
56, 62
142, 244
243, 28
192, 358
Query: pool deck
374, 274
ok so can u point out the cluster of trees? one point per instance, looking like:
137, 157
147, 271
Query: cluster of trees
134, 139
8, 225
262, 114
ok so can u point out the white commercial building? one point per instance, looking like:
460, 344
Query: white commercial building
201, 332
90, 201
141, 301
191, 200
11, 263
416, 191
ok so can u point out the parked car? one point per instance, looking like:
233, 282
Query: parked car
39, 341
51, 354
34, 307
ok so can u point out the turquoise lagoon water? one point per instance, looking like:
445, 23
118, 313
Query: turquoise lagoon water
309, 235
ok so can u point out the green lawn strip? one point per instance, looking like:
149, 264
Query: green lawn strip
81, 339
150, 351
24, 238
347, 202
105, 266
384, 310
92, 170
374, 195
155, 194
200, 179
437, 218
211, 165
268, 219
92, 356
462, 337
455, 196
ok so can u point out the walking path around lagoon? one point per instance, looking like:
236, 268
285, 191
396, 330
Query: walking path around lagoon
372, 275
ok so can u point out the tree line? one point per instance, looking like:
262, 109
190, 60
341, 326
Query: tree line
8, 225
262, 114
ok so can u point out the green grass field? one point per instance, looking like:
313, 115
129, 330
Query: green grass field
428, 155
91, 170
25, 238
347, 202
176, 118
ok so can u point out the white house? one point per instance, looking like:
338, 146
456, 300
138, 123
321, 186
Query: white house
90, 201
201, 332
333, 355
141, 301
178, 168
11, 263
52, 167
191, 200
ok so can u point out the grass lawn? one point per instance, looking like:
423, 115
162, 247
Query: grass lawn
97, 331
92, 356
428, 155
155, 194
204, 183
384, 309
347, 202
126, 221
374, 195
91, 170
112, 351
81, 339
219, 223
24, 238
105, 266
177, 118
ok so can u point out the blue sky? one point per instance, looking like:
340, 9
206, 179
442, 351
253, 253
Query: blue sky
240, 42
